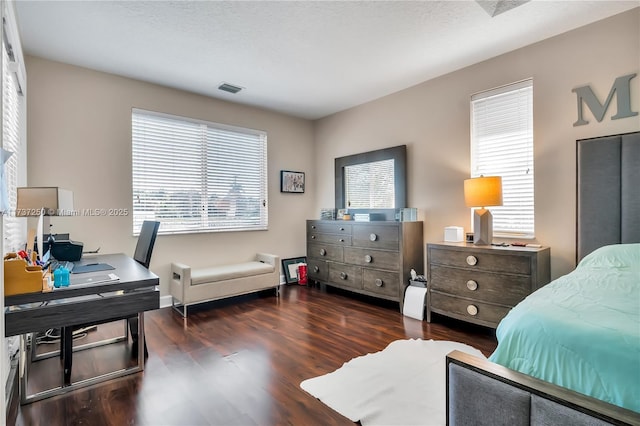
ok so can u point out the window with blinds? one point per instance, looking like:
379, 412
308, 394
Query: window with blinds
502, 145
197, 176
13, 173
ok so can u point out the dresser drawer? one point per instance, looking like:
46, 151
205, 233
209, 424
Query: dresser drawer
330, 227
381, 282
372, 258
376, 236
472, 311
317, 270
496, 288
329, 238
325, 252
345, 275
509, 263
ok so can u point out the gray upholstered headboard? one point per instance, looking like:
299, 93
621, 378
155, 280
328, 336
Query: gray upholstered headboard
608, 192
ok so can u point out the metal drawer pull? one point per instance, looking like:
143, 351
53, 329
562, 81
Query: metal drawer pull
373, 237
323, 252
472, 285
472, 310
471, 260
313, 227
313, 237
379, 282
342, 229
316, 269
341, 240
343, 275
368, 259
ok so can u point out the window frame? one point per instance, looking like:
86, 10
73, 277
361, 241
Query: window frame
205, 137
15, 169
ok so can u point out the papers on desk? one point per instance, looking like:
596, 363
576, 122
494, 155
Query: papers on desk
85, 281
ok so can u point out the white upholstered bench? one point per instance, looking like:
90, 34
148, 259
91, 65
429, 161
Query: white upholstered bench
191, 286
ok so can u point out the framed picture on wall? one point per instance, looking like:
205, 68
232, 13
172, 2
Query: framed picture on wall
290, 268
291, 181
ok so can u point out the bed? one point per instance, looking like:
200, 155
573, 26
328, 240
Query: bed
581, 332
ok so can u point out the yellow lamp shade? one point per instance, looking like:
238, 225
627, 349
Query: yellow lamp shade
483, 191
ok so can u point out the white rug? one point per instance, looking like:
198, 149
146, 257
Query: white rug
404, 384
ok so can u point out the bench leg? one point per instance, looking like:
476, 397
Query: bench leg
175, 307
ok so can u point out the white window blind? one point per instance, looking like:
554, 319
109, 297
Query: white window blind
197, 176
502, 145
14, 228
370, 185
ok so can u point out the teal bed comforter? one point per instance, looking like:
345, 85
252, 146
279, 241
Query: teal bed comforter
582, 330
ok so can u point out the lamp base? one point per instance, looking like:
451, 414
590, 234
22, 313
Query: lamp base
482, 227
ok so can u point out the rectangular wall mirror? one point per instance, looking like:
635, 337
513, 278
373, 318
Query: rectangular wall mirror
372, 182
370, 185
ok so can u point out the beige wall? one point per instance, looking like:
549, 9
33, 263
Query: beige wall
79, 138
432, 119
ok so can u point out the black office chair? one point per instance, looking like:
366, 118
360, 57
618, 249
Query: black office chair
146, 241
142, 255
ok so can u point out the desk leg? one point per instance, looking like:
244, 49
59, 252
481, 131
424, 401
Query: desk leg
23, 368
62, 340
141, 341
66, 335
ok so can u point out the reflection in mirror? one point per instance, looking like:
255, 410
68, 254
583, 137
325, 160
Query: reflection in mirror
370, 185
372, 182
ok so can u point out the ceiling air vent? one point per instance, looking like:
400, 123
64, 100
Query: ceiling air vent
229, 88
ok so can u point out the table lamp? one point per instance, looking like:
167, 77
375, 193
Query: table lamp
483, 192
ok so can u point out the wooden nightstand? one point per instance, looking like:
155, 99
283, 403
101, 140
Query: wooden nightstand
480, 284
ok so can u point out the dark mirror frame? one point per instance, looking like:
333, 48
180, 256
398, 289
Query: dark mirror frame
399, 155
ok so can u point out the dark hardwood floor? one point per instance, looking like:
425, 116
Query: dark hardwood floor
233, 362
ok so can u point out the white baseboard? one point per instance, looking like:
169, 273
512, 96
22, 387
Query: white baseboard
165, 301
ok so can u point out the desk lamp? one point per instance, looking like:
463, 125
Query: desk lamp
483, 192
43, 202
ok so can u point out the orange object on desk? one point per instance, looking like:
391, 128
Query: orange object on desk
20, 278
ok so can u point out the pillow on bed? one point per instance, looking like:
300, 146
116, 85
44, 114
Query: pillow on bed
613, 256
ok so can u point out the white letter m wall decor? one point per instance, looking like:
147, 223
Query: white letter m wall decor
621, 86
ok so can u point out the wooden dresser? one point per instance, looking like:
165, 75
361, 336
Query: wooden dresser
372, 258
480, 284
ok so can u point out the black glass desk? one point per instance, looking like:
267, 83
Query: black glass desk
132, 294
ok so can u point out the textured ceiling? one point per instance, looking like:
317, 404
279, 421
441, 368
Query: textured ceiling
304, 58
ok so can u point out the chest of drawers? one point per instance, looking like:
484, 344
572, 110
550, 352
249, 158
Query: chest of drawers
480, 284
372, 258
